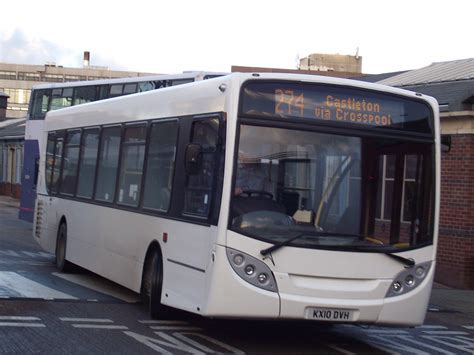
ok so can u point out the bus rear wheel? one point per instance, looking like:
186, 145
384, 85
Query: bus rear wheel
152, 284
61, 263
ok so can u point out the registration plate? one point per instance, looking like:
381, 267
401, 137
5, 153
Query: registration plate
329, 314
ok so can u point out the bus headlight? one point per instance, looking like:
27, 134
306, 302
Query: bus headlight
252, 270
408, 279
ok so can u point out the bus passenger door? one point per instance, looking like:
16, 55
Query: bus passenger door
195, 203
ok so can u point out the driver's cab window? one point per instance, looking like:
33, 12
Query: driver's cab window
199, 186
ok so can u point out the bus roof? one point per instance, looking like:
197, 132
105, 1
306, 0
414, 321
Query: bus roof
134, 79
198, 97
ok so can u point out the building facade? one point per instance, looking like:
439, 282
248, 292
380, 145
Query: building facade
332, 63
16, 80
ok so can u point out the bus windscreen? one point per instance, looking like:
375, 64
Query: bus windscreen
335, 104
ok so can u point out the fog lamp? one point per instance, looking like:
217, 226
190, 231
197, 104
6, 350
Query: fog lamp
238, 259
420, 271
409, 280
249, 269
262, 278
397, 286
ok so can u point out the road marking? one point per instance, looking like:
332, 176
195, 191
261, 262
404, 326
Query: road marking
163, 322
9, 253
386, 331
18, 318
29, 288
92, 320
339, 349
435, 349
178, 327
26, 325
99, 326
432, 327
36, 254
444, 332
470, 327
99, 284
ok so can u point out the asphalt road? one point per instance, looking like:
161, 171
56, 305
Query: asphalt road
46, 312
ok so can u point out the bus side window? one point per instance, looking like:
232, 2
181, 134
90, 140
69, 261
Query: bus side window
71, 157
131, 166
108, 164
49, 159
160, 166
58, 153
198, 189
40, 103
88, 163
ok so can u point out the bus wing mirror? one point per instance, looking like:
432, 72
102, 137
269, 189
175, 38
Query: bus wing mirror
193, 158
445, 143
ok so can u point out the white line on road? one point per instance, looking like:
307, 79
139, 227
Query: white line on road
339, 349
99, 284
432, 327
18, 318
470, 327
100, 326
29, 288
178, 327
444, 332
27, 325
385, 331
92, 320
163, 322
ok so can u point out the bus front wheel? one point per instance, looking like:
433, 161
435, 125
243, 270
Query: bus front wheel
61, 263
152, 284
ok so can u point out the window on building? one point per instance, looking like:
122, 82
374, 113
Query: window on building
18, 96
160, 165
29, 76
87, 165
8, 75
53, 78
69, 78
131, 166
108, 164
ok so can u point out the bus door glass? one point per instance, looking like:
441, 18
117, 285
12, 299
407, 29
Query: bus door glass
402, 206
200, 185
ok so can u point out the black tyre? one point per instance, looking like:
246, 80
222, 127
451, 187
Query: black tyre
61, 263
152, 284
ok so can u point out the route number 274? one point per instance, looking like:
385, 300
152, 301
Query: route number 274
289, 103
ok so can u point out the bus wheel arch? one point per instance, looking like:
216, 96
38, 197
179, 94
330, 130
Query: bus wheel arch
152, 280
61, 242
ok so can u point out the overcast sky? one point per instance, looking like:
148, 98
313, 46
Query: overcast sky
173, 36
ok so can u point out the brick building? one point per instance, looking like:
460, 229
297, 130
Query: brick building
452, 84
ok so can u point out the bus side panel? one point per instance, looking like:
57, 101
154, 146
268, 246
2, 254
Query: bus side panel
28, 180
113, 243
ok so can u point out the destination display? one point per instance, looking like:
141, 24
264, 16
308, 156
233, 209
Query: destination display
335, 104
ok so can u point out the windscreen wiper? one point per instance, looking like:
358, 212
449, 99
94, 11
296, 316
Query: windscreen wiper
409, 262
277, 246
